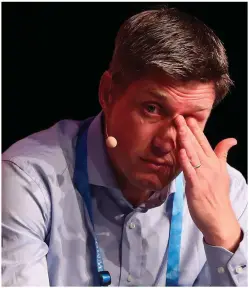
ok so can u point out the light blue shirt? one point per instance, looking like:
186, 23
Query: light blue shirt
47, 239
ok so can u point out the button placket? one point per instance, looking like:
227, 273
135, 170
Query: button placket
220, 270
133, 231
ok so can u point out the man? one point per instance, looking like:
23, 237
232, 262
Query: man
135, 195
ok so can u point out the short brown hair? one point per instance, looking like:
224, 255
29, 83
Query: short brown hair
173, 42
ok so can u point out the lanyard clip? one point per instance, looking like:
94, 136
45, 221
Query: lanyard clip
104, 278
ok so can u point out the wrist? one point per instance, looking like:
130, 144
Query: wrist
230, 242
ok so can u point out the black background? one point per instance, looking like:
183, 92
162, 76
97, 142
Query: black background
53, 55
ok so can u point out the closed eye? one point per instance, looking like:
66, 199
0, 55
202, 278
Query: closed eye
199, 115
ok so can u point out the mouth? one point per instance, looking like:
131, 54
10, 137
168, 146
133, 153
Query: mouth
156, 164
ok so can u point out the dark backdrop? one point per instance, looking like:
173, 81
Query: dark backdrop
54, 54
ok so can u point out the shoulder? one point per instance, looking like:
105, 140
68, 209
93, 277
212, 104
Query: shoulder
32, 167
52, 147
40, 160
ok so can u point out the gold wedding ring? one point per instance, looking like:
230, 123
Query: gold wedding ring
197, 166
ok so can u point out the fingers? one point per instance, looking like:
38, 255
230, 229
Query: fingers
200, 137
196, 146
223, 147
188, 170
188, 142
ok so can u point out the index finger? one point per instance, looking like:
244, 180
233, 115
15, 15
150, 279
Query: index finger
200, 136
187, 138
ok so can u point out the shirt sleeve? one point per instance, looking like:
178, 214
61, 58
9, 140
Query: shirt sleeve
227, 268
24, 229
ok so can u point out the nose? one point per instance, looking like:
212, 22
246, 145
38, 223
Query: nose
165, 140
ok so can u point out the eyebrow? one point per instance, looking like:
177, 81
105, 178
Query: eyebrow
163, 97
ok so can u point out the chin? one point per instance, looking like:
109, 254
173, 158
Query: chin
155, 181
149, 182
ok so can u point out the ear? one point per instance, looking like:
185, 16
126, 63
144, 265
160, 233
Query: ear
105, 98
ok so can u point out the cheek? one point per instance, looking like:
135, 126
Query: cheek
140, 130
134, 133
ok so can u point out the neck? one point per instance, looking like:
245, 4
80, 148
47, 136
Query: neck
134, 195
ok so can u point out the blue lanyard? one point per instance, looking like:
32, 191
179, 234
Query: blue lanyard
174, 245
82, 185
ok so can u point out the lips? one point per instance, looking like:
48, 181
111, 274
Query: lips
157, 163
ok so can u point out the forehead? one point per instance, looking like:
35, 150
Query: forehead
177, 93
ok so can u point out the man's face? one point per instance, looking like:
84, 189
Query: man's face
142, 121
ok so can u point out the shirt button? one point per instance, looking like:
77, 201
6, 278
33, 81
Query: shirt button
132, 225
129, 278
221, 270
239, 269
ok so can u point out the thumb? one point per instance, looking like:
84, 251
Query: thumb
222, 148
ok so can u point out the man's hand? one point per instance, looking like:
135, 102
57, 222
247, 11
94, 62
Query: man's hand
207, 187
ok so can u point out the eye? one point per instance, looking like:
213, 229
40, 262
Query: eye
152, 108
199, 116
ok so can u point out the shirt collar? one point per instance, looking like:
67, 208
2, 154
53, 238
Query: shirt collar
99, 169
